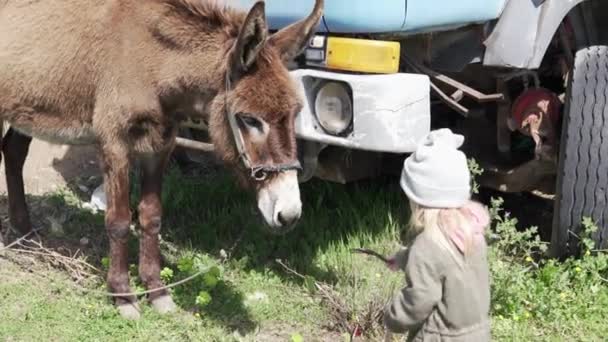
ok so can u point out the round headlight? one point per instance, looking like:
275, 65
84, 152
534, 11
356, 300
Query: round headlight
333, 107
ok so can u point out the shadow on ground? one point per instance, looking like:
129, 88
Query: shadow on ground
208, 214
65, 227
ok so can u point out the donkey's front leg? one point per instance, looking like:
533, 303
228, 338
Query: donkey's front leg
115, 160
150, 217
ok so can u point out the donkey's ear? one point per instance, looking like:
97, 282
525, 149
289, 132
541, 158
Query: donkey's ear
292, 40
250, 41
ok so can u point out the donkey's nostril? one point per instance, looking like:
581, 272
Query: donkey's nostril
282, 220
287, 220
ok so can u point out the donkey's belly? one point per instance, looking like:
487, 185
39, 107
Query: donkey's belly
81, 135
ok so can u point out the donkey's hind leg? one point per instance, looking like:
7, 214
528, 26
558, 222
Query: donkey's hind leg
15, 147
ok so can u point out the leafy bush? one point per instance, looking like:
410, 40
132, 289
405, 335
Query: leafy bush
476, 170
527, 285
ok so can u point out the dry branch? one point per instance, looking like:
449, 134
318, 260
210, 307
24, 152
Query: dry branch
343, 317
78, 269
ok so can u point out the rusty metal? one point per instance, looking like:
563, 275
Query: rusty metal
475, 94
458, 95
461, 89
529, 176
442, 95
449, 101
478, 96
536, 113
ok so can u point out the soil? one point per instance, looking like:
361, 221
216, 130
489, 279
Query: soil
49, 167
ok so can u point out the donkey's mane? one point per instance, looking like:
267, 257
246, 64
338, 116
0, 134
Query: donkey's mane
212, 13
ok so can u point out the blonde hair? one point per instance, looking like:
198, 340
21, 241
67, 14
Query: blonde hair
440, 222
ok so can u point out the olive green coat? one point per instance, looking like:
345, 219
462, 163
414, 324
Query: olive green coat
444, 300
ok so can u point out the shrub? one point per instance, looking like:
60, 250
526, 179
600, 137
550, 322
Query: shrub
527, 285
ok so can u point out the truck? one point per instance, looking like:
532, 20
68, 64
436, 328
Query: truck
526, 82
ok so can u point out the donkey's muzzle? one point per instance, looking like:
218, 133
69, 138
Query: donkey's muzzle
279, 202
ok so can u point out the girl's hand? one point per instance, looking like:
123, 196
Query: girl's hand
392, 264
398, 260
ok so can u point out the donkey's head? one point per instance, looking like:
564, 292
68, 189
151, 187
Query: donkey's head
252, 117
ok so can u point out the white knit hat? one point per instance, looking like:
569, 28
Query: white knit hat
436, 175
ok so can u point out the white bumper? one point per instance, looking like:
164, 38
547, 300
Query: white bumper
391, 113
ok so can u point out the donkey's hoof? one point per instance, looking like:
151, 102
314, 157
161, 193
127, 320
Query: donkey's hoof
129, 311
163, 304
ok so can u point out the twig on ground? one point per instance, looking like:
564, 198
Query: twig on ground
76, 268
18, 241
290, 270
343, 316
141, 293
339, 310
52, 253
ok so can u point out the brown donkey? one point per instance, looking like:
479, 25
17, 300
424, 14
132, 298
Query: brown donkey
122, 74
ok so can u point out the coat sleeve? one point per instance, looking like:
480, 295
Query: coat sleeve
415, 302
401, 258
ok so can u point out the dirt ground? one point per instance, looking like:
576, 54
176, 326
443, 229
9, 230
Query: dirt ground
49, 167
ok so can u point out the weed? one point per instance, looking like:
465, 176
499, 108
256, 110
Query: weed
526, 286
476, 170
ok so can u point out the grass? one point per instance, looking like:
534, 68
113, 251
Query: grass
248, 296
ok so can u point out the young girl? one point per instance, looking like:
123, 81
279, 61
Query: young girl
447, 297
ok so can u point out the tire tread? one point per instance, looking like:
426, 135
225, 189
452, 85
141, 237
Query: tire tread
582, 172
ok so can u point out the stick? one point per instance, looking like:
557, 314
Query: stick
46, 252
290, 270
18, 241
56, 256
141, 293
52, 253
372, 253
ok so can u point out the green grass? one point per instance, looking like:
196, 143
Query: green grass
252, 296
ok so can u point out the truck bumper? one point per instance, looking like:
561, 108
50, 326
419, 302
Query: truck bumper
391, 113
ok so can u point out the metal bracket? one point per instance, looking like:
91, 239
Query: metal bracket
461, 89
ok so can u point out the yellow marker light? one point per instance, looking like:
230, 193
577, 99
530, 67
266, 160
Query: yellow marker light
362, 55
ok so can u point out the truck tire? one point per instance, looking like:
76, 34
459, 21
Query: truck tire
582, 179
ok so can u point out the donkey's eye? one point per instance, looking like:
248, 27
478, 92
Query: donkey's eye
250, 121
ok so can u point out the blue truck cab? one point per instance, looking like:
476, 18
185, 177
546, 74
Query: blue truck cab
364, 16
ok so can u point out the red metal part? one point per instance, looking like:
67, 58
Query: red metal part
536, 113
530, 102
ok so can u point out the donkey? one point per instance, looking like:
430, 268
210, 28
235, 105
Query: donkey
121, 75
